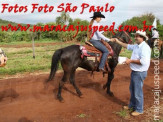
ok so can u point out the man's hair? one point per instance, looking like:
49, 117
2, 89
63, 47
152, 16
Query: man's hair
143, 37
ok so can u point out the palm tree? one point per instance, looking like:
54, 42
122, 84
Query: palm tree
63, 19
59, 21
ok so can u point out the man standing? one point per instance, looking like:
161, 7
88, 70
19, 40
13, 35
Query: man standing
155, 35
139, 64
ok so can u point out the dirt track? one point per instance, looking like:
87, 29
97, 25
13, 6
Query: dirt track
23, 99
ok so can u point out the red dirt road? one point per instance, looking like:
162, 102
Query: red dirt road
26, 100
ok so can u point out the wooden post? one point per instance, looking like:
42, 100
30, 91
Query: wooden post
33, 44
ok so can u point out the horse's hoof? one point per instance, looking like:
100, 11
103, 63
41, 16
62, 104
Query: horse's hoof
104, 86
80, 94
110, 94
60, 98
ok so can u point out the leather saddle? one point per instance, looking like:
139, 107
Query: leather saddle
90, 51
90, 48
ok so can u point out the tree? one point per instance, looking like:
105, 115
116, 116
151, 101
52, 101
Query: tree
63, 18
39, 33
138, 21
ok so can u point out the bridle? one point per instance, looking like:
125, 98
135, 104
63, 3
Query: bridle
130, 40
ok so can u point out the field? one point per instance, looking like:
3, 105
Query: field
23, 97
20, 56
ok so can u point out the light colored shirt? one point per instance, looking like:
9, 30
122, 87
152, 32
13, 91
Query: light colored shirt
155, 34
98, 34
140, 52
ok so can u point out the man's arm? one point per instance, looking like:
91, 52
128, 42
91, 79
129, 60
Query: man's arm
128, 61
121, 43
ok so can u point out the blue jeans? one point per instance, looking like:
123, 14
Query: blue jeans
136, 90
97, 44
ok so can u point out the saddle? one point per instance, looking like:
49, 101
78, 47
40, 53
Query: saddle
90, 51
90, 48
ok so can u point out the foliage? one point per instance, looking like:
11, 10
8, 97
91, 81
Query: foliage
122, 113
65, 19
138, 21
69, 36
81, 115
160, 30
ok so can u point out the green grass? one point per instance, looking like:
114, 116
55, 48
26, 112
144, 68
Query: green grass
158, 120
122, 113
21, 60
81, 115
125, 53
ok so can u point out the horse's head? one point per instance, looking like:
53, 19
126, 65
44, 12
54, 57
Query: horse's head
124, 37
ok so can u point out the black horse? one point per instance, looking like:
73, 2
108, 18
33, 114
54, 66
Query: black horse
70, 58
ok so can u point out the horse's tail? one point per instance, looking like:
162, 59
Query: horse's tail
54, 64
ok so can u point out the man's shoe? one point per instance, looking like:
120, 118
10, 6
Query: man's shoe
135, 113
126, 107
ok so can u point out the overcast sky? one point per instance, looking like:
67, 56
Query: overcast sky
124, 9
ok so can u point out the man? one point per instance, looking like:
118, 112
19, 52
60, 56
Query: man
155, 35
139, 64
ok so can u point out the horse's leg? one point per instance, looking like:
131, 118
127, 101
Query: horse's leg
72, 81
107, 85
112, 63
61, 84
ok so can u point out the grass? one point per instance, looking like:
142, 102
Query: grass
125, 53
81, 115
122, 113
21, 60
158, 120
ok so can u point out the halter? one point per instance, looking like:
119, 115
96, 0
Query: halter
127, 36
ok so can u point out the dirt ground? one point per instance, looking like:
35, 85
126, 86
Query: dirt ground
25, 99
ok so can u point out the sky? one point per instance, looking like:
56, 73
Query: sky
124, 9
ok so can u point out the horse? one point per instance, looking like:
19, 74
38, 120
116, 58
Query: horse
70, 58
161, 48
159, 44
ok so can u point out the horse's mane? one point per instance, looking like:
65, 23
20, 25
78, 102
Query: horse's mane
117, 34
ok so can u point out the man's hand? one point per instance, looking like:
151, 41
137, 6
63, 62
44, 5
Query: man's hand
112, 39
119, 42
128, 61
116, 40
